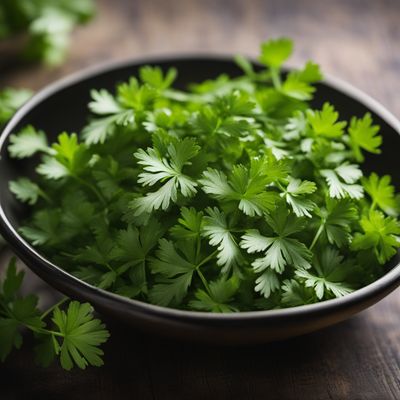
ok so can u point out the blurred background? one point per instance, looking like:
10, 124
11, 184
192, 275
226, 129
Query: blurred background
357, 40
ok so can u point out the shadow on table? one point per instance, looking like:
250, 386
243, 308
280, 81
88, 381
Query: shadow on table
321, 365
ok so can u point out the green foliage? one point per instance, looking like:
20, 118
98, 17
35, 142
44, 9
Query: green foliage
379, 233
328, 275
233, 195
73, 335
10, 100
364, 136
47, 24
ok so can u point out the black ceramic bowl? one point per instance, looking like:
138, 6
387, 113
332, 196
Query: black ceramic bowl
63, 106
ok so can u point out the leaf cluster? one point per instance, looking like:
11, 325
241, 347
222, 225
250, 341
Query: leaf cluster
73, 335
47, 25
232, 195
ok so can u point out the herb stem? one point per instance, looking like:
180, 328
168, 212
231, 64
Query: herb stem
92, 188
203, 279
317, 235
208, 258
45, 197
276, 79
58, 304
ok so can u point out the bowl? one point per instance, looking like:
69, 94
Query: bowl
63, 106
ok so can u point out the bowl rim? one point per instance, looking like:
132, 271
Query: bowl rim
17, 241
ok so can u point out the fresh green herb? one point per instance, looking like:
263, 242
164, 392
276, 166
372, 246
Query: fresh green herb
72, 335
233, 195
47, 24
10, 100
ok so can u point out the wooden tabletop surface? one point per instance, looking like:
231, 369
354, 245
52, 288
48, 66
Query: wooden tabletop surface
357, 40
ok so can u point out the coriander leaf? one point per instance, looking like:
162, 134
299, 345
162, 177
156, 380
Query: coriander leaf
154, 77
218, 231
364, 135
10, 100
137, 97
234, 104
341, 181
20, 312
24, 310
294, 193
44, 229
27, 142
310, 73
296, 293
246, 185
52, 169
267, 283
380, 234
336, 220
324, 122
296, 88
71, 154
280, 250
133, 246
275, 52
81, 335
113, 115
25, 190
219, 297
176, 272
160, 169
170, 291
295, 126
77, 214
298, 83
382, 193
190, 224
350, 173
12, 281
103, 103
98, 130
101, 252
328, 274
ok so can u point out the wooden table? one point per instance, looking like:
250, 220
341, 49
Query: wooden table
358, 41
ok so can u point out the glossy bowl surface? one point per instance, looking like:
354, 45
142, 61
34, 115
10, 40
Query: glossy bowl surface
63, 106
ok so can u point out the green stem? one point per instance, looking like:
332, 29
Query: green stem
208, 258
279, 185
45, 197
92, 188
317, 235
41, 330
203, 279
373, 206
198, 248
276, 79
47, 312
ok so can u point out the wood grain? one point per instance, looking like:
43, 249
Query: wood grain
357, 40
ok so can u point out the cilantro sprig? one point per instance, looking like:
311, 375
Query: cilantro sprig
73, 335
232, 195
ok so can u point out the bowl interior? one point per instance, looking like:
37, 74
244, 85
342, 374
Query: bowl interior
64, 108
